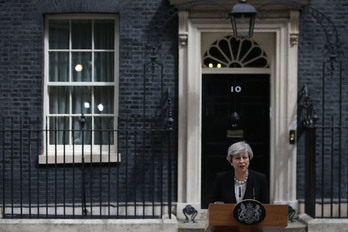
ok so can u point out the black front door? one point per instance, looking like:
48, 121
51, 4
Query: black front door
235, 107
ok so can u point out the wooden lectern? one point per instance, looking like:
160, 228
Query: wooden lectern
221, 218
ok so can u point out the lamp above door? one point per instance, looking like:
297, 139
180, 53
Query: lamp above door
242, 18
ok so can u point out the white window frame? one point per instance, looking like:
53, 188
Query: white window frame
52, 154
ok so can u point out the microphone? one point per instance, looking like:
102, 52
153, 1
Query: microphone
254, 193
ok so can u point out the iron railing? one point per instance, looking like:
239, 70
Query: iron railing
326, 147
326, 172
129, 179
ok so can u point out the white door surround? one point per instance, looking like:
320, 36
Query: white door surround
283, 111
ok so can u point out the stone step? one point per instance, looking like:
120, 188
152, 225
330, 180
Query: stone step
295, 226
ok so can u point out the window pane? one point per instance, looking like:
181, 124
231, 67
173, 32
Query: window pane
104, 66
59, 66
81, 100
104, 100
59, 99
104, 34
85, 60
81, 34
104, 133
58, 130
58, 34
81, 75
77, 131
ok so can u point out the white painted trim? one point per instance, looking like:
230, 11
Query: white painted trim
182, 114
283, 73
164, 224
69, 157
236, 70
66, 153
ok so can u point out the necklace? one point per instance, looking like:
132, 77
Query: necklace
241, 181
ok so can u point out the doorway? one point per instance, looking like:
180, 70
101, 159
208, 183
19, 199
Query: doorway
235, 107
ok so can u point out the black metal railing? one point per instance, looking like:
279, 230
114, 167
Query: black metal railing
327, 172
326, 159
131, 178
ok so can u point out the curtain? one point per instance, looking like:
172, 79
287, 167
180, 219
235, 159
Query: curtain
78, 95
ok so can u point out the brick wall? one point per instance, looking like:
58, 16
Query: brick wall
22, 63
326, 97
21, 55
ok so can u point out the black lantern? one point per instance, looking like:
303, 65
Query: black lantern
243, 18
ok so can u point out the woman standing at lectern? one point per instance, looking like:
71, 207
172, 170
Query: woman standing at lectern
240, 183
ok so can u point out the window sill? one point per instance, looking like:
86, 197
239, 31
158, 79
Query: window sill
70, 158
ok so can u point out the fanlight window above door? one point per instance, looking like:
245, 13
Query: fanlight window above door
230, 52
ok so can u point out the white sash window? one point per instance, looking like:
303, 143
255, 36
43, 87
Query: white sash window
81, 80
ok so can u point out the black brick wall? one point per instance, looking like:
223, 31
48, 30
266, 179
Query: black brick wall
21, 54
312, 54
21, 60
22, 76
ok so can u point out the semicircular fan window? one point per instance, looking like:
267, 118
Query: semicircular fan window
230, 52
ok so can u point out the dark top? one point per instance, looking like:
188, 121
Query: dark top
257, 187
